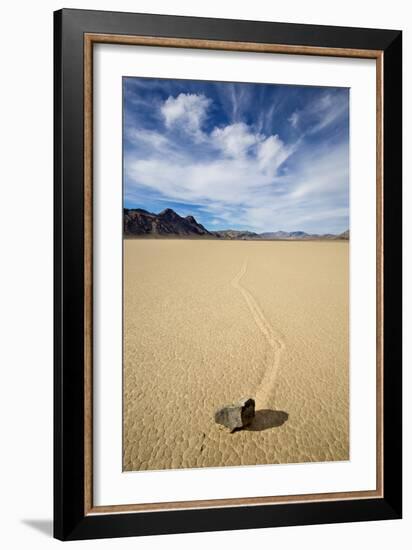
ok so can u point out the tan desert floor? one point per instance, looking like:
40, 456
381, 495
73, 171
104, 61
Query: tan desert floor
208, 322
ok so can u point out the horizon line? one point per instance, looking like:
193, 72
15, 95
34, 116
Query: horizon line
236, 230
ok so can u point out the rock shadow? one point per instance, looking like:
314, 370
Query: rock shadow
267, 418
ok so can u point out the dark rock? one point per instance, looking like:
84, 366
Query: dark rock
139, 222
237, 415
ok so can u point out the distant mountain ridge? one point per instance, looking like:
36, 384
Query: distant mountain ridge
138, 222
345, 235
234, 234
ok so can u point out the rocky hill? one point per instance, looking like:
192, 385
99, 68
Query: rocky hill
344, 235
137, 222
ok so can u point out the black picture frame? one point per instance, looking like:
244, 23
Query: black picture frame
71, 522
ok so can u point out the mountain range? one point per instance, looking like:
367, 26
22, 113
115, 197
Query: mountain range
138, 222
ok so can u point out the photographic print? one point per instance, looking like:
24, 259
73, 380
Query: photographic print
235, 274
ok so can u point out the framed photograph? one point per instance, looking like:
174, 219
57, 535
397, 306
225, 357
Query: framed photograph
227, 274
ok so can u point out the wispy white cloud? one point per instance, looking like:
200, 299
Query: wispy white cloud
187, 112
320, 113
235, 140
152, 138
271, 153
294, 119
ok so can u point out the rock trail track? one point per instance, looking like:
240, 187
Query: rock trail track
265, 392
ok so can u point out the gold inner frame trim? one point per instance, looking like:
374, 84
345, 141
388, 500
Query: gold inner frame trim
89, 40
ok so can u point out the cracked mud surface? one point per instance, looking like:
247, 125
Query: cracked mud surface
207, 322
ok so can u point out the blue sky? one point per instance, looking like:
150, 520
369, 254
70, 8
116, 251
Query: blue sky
258, 157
